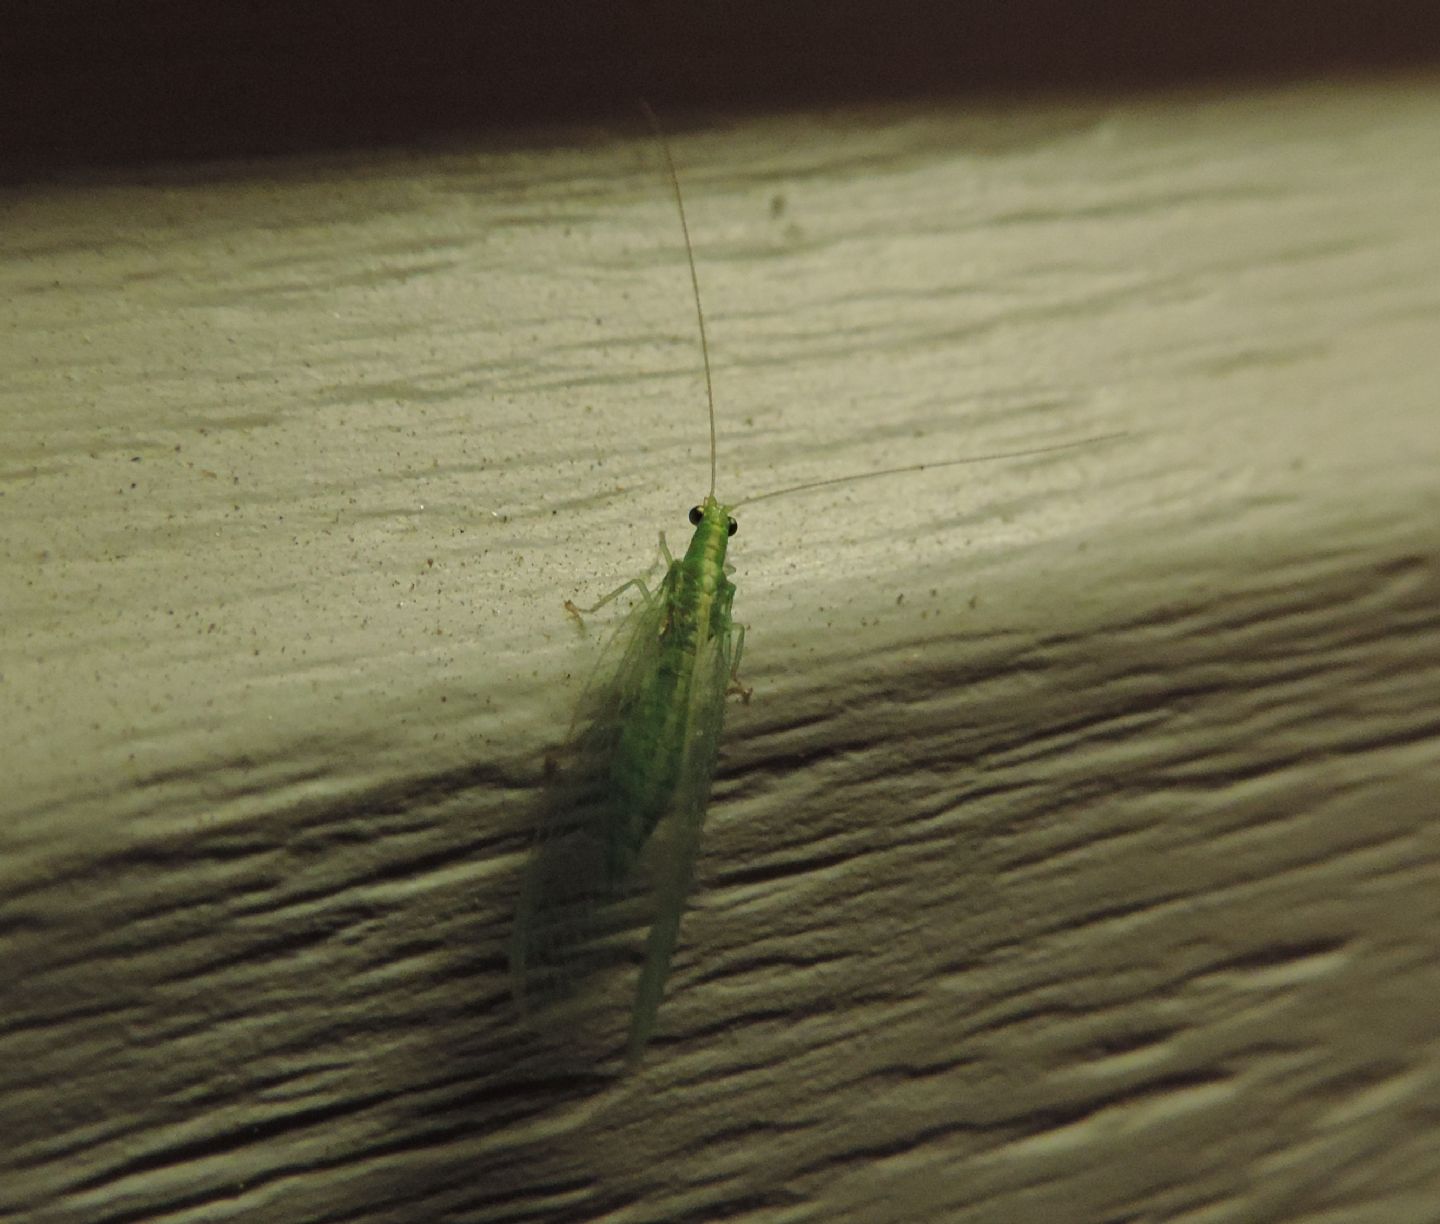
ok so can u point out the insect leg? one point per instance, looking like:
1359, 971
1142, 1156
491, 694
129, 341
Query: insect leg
736, 685
636, 583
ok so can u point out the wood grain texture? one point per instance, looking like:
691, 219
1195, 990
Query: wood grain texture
1075, 859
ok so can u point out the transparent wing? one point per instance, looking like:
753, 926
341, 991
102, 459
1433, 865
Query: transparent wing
570, 905
676, 840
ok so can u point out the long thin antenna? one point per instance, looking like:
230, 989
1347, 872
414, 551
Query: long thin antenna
694, 279
921, 467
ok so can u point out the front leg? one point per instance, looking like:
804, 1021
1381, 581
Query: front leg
637, 584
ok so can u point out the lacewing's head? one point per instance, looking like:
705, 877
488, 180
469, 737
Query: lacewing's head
714, 511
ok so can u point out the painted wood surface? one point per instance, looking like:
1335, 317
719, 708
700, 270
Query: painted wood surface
1075, 859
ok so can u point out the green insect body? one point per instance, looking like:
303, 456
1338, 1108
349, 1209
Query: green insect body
670, 709
672, 704
628, 818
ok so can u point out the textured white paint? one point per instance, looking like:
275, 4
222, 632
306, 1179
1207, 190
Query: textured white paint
1074, 859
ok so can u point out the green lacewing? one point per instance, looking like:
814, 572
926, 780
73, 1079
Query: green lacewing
618, 839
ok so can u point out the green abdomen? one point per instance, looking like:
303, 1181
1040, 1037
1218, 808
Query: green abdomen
651, 752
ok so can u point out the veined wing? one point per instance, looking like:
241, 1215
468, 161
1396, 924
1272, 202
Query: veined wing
567, 908
676, 840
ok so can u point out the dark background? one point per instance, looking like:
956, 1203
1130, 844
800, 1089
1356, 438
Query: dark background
105, 81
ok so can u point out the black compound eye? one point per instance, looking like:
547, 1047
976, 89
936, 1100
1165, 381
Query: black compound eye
696, 514
734, 527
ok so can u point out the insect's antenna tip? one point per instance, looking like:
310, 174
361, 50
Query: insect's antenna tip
694, 277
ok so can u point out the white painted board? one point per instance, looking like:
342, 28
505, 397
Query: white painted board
1075, 857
